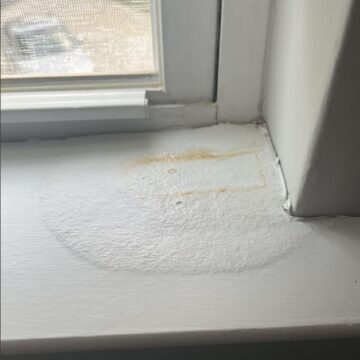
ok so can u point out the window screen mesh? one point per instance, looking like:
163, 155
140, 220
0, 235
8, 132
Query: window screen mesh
76, 37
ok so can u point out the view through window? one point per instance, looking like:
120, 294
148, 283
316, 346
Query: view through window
76, 37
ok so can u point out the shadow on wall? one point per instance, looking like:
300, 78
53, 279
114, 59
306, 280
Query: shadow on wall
334, 349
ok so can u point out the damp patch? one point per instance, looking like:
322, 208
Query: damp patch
213, 205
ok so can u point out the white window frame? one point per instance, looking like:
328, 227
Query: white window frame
244, 43
201, 81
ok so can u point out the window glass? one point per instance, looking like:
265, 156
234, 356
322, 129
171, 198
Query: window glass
76, 37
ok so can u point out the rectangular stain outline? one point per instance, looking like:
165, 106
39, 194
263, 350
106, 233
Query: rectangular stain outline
201, 155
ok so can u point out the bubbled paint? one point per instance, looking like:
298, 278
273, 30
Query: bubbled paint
210, 205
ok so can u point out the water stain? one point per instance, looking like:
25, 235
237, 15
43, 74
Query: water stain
201, 155
193, 223
192, 155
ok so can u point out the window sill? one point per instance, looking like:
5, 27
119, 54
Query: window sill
76, 113
57, 293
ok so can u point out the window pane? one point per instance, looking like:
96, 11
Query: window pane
76, 37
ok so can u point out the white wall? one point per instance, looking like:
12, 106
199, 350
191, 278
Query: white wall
243, 36
306, 40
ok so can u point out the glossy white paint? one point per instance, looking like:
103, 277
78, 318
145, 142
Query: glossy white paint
50, 124
59, 297
72, 105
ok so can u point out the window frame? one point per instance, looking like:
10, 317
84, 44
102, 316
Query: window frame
245, 37
113, 81
196, 89
177, 22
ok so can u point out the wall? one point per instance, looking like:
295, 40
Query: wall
335, 165
245, 351
244, 26
306, 43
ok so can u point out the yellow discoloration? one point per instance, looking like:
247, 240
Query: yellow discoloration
235, 189
192, 155
262, 174
201, 155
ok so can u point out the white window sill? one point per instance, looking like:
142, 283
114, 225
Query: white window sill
57, 292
